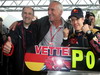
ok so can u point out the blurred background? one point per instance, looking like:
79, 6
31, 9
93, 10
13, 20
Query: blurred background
10, 10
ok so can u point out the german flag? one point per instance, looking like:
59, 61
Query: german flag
35, 62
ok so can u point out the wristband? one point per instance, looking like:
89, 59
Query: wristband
65, 38
9, 54
89, 32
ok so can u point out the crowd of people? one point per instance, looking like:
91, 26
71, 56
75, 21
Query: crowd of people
51, 30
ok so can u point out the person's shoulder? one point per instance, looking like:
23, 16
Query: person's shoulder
20, 22
43, 18
94, 30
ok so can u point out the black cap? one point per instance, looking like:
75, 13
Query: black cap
76, 12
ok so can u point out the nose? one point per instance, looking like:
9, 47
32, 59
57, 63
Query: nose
49, 11
26, 15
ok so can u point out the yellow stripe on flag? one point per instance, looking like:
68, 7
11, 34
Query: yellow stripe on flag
34, 66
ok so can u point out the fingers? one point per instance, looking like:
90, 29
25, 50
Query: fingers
9, 38
66, 32
6, 51
7, 46
85, 28
13, 26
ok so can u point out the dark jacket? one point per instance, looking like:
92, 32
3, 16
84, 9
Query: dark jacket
80, 39
76, 40
42, 27
1, 40
23, 39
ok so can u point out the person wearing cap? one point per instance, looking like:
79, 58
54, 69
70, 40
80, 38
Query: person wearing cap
83, 35
91, 17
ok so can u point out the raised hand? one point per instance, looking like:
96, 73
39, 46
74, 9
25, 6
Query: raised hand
7, 46
66, 32
85, 28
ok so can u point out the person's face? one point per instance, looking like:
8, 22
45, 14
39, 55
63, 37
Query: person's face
92, 19
77, 23
54, 12
27, 15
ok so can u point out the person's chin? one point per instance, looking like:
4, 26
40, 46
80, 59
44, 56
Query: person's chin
27, 21
50, 18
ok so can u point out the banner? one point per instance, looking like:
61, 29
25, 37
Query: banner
47, 58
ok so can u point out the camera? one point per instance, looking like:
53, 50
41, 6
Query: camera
87, 21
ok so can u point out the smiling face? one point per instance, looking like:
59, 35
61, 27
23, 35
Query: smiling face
77, 23
27, 15
54, 11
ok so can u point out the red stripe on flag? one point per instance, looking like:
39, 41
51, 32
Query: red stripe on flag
31, 57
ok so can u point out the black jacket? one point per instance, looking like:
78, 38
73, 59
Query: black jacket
1, 40
80, 39
25, 39
22, 39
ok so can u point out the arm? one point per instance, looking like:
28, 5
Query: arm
93, 37
8, 47
95, 43
65, 39
13, 26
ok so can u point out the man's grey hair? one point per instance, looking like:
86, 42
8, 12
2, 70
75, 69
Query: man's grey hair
60, 6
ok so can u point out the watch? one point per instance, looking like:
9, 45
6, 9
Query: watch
89, 32
65, 38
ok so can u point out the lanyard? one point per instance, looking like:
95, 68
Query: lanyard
52, 36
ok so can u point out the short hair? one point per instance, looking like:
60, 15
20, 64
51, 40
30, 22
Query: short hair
60, 6
1, 19
28, 7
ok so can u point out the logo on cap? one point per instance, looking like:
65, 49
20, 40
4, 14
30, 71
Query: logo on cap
75, 11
